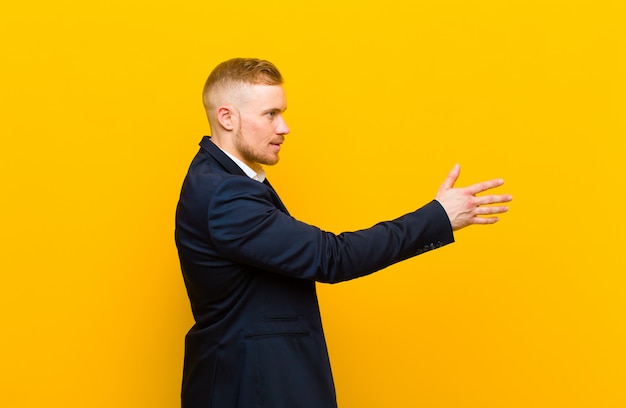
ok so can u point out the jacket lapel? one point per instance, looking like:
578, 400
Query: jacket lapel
233, 168
277, 199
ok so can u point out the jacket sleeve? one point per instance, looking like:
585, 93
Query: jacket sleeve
246, 226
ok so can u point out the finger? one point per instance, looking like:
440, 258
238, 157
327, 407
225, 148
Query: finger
491, 210
484, 186
452, 177
485, 220
492, 199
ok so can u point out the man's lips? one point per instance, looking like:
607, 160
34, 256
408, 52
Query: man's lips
276, 146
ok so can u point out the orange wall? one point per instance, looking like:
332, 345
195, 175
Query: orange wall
101, 114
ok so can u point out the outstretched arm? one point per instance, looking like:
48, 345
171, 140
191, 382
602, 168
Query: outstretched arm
462, 205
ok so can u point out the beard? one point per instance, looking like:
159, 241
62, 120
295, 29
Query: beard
252, 155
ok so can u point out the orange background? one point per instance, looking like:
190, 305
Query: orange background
101, 115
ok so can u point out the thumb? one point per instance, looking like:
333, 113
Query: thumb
452, 178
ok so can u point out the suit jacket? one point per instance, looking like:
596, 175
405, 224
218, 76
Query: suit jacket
250, 271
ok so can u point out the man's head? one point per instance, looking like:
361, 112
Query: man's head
232, 74
244, 100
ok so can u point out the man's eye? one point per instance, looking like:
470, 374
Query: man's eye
271, 114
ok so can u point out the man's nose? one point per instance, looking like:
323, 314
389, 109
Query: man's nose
282, 128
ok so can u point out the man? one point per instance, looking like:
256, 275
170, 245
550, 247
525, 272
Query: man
250, 268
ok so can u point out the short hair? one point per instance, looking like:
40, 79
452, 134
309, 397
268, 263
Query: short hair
239, 71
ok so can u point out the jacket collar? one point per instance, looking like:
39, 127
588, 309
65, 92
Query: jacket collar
207, 144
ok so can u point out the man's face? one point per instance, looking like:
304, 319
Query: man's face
262, 128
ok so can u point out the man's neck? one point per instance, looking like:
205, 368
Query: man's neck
257, 173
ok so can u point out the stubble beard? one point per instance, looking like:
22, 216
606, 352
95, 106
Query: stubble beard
250, 155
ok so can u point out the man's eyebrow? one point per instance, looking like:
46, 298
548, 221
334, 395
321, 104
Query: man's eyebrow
274, 110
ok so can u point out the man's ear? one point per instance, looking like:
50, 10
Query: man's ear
226, 116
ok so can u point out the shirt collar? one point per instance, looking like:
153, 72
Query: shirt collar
258, 176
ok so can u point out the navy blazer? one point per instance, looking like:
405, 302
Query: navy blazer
250, 271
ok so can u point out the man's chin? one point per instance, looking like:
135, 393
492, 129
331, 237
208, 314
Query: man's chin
270, 162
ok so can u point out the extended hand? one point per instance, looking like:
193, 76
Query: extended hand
464, 207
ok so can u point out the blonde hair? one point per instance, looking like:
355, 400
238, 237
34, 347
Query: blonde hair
239, 71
